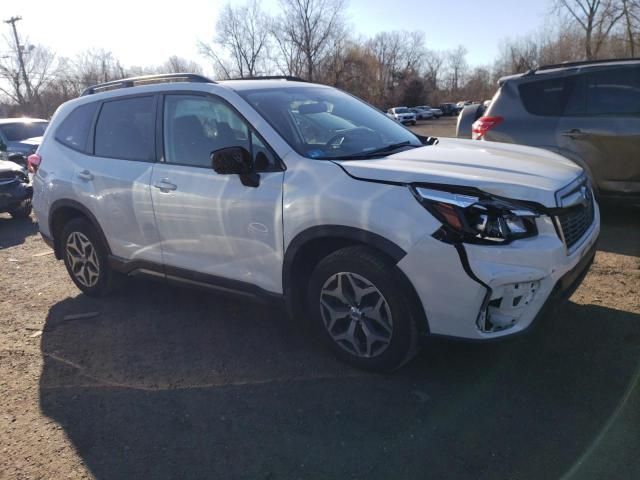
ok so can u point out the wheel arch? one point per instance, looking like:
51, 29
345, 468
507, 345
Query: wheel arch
312, 245
62, 211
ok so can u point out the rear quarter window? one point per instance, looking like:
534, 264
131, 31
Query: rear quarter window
545, 97
74, 130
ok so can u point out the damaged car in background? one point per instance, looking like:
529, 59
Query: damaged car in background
15, 190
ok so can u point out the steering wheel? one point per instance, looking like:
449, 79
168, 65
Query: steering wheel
360, 133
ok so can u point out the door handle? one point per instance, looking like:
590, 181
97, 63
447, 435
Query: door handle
85, 175
165, 185
575, 133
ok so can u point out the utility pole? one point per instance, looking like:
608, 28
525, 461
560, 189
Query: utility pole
27, 84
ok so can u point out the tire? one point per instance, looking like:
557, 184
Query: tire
413, 122
86, 258
370, 286
21, 211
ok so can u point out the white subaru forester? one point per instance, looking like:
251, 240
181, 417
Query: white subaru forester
298, 192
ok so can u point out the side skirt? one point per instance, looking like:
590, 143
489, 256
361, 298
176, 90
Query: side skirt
181, 276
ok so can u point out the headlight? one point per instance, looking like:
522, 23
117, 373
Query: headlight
477, 218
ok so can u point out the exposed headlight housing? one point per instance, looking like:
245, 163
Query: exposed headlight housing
477, 217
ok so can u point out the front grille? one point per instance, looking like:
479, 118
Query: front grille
574, 221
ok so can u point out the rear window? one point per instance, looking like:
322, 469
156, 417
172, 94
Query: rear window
545, 97
125, 129
74, 130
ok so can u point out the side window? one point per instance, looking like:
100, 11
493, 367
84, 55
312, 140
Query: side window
125, 129
195, 126
263, 157
545, 97
74, 130
614, 92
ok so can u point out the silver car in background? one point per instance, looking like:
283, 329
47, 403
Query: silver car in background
588, 112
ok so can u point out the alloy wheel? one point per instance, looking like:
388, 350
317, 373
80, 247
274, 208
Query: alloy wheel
356, 315
83, 259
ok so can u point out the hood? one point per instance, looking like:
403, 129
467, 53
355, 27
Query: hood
512, 171
6, 166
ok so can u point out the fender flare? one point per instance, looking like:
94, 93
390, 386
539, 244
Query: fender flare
341, 232
66, 203
347, 233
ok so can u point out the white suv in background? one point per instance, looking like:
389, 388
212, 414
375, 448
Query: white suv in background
301, 193
402, 115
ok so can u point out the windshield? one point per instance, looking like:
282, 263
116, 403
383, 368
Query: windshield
14, 132
402, 110
326, 123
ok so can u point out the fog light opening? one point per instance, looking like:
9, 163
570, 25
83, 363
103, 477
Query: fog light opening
505, 306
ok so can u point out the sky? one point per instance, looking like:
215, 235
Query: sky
141, 32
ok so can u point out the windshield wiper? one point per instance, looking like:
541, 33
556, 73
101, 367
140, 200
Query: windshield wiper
374, 153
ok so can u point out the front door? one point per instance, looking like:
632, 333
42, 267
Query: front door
211, 224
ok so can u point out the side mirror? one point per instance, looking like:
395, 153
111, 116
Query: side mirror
235, 161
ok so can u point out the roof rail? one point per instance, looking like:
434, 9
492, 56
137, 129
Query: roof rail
581, 63
146, 79
288, 78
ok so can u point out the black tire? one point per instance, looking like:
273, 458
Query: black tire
106, 277
21, 211
391, 286
413, 122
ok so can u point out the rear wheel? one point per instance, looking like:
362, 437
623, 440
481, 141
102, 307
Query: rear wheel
360, 309
86, 258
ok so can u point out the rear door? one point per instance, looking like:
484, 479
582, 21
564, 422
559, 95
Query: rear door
601, 126
212, 227
113, 182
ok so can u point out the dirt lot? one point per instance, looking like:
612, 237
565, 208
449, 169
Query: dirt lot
443, 127
161, 382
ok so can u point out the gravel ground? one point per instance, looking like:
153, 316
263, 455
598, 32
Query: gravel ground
159, 382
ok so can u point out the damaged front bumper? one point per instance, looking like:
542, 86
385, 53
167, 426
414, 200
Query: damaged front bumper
481, 292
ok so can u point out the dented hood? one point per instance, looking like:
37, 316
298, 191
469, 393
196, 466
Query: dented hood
512, 171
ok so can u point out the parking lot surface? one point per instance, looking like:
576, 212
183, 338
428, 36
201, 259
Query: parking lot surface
162, 382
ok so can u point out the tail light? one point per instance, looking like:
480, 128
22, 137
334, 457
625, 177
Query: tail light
481, 126
33, 162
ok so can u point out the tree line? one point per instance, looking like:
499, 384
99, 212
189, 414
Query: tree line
312, 40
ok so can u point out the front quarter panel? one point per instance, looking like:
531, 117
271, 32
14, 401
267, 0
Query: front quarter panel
320, 193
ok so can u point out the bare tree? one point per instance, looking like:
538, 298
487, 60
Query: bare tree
434, 62
94, 66
457, 67
25, 71
306, 30
240, 45
595, 17
175, 64
631, 15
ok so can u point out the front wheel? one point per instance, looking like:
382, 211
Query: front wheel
360, 307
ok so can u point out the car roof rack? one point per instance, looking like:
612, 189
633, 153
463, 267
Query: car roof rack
288, 78
582, 63
144, 80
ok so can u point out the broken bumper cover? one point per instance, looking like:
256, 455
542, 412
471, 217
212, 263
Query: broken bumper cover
12, 194
480, 292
